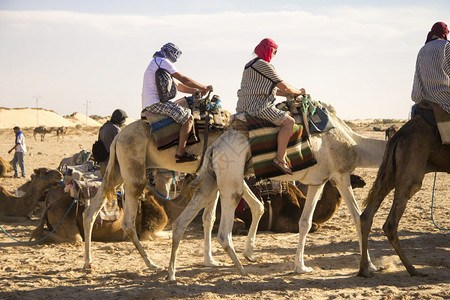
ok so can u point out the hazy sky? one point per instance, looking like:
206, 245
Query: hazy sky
357, 55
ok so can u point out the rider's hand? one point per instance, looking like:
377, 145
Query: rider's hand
207, 89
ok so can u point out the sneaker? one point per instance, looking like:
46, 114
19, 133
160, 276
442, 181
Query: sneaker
16, 176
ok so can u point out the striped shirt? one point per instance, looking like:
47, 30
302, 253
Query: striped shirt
432, 77
258, 87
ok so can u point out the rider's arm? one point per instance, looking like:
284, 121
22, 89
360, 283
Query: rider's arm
285, 89
189, 86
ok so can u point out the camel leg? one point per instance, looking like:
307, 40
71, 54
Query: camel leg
228, 203
132, 193
209, 216
366, 220
401, 195
201, 198
89, 215
305, 222
344, 187
257, 209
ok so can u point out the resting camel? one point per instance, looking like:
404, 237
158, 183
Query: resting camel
338, 152
416, 149
155, 214
133, 151
13, 208
285, 208
5, 167
42, 131
390, 131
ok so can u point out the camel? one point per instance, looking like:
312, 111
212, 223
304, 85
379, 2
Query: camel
155, 214
13, 208
133, 151
286, 206
416, 149
338, 152
61, 132
5, 167
42, 131
390, 131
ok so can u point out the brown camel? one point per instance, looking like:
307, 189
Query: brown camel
13, 208
42, 131
61, 132
285, 208
156, 214
389, 133
5, 167
413, 151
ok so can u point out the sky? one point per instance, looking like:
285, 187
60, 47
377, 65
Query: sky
89, 56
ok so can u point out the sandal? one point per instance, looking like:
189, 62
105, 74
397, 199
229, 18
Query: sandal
281, 166
186, 157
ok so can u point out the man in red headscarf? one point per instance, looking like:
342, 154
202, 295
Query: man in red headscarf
432, 78
259, 86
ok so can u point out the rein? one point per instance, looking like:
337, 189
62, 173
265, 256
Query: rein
432, 202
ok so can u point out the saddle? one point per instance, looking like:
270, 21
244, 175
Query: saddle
436, 117
204, 110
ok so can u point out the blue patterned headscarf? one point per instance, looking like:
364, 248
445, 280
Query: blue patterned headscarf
169, 51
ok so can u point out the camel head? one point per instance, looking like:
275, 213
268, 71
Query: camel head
52, 176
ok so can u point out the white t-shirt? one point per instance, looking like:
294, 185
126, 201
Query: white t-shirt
21, 147
149, 91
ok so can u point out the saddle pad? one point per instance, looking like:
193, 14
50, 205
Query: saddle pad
165, 130
86, 191
263, 146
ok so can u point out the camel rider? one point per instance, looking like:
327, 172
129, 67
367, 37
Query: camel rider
260, 83
431, 79
108, 131
164, 59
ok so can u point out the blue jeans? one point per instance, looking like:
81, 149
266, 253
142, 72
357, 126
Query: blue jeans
18, 158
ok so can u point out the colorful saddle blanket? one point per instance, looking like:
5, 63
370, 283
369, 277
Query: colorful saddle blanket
165, 130
263, 145
86, 190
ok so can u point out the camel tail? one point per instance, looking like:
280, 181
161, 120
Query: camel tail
385, 180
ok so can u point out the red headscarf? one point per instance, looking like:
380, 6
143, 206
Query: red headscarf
265, 48
439, 30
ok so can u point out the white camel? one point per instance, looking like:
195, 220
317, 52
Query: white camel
337, 152
133, 151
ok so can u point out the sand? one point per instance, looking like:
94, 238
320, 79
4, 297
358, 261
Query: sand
55, 271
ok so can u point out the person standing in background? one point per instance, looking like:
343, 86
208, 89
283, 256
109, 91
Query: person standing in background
20, 150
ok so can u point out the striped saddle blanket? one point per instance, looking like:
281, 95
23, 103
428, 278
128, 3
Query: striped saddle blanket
165, 130
263, 145
86, 190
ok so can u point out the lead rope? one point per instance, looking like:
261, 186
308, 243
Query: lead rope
432, 202
45, 237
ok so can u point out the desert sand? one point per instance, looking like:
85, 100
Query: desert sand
55, 271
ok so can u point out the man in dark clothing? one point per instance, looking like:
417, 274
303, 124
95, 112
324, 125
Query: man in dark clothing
108, 131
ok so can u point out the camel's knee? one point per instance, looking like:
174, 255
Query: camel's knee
390, 230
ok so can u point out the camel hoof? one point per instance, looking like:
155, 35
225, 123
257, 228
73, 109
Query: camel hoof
419, 274
89, 266
365, 273
302, 270
211, 263
250, 258
154, 267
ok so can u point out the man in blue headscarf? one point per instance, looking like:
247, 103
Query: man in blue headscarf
165, 58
